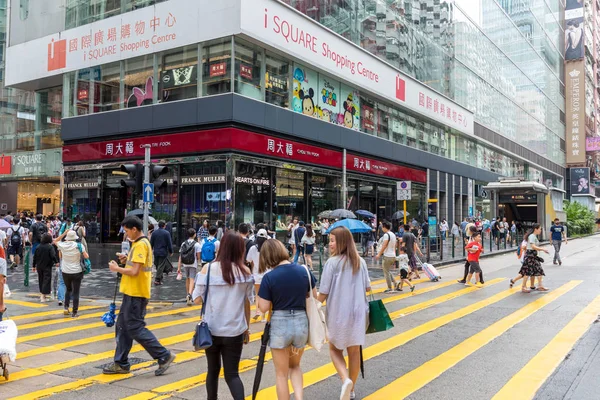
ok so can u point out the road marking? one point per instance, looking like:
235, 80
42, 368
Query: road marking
427, 372
49, 313
100, 324
325, 371
525, 383
25, 303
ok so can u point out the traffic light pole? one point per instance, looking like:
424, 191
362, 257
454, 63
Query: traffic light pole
146, 180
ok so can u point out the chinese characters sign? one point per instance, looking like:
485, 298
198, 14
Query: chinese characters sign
575, 111
592, 144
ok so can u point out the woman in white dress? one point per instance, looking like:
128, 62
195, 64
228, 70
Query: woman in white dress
253, 258
344, 282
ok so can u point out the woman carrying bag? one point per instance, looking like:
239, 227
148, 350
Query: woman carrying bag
44, 259
344, 283
227, 291
285, 290
71, 267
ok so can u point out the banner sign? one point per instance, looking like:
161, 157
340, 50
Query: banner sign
575, 112
226, 139
592, 143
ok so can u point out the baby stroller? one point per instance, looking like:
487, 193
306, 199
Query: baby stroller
8, 344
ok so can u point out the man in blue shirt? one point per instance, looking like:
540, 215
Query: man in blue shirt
162, 247
558, 232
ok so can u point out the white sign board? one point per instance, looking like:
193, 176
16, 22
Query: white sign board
288, 30
164, 26
403, 190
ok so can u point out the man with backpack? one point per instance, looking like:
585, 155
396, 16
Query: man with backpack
244, 231
298, 235
209, 246
35, 234
189, 255
15, 243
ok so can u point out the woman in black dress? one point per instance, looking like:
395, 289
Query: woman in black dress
44, 260
532, 264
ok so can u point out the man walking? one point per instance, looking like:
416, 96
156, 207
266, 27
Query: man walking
558, 232
163, 248
135, 286
387, 248
36, 232
409, 241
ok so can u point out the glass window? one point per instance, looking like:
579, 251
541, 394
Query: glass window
367, 115
289, 199
306, 86
252, 193
383, 121
216, 67
398, 129
328, 101
178, 76
276, 81
47, 134
326, 194
139, 81
248, 60
411, 131
100, 86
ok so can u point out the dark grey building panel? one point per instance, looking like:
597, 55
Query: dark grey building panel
214, 109
178, 113
138, 119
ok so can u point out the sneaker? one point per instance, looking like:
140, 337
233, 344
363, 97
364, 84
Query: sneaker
479, 284
66, 312
346, 390
60, 303
189, 300
387, 291
560, 263
42, 299
352, 395
461, 281
412, 289
114, 369
482, 282
162, 368
75, 315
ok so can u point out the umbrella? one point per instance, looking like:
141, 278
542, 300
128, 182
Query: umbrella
325, 214
354, 225
364, 213
400, 215
264, 341
138, 213
110, 317
4, 224
152, 221
342, 213
362, 364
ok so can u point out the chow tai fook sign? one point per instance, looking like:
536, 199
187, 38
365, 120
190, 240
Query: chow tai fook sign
284, 28
227, 139
166, 25
575, 112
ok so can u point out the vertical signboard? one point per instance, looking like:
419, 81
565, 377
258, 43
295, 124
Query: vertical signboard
575, 110
574, 33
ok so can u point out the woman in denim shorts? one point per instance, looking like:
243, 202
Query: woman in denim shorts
284, 291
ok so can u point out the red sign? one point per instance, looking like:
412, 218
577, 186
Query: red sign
225, 139
400, 88
370, 166
57, 54
246, 71
218, 69
5, 165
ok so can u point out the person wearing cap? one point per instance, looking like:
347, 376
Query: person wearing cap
252, 258
70, 253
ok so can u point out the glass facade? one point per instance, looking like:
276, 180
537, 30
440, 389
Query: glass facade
499, 58
261, 75
82, 12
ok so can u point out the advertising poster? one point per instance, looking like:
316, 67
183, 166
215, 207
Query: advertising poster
575, 113
349, 108
328, 108
574, 34
580, 181
306, 86
368, 117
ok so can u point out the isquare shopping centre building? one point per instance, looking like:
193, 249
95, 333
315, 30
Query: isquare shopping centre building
264, 110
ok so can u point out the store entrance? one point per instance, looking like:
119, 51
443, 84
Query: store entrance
113, 212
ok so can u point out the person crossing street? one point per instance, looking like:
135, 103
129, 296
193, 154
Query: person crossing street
558, 233
162, 247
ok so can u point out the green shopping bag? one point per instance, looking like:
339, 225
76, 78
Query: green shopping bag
379, 319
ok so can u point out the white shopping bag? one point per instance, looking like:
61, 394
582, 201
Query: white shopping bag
7, 291
8, 339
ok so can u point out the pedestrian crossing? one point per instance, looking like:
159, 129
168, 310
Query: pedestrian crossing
59, 355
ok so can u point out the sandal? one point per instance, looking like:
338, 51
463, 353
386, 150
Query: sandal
512, 283
525, 290
542, 289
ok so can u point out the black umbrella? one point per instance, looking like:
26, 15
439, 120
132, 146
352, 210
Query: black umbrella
364, 213
264, 341
342, 213
362, 364
400, 215
325, 214
138, 213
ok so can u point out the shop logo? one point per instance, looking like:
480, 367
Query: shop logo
57, 54
400, 88
5, 165
574, 73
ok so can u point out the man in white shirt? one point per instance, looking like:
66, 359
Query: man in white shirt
387, 248
15, 247
190, 250
292, 230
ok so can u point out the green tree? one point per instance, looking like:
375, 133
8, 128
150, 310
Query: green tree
580, 220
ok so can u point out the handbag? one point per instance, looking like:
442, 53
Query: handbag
86, 264
317, 328
379, 319
202, 337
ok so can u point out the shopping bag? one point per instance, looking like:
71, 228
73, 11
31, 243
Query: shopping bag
379, 319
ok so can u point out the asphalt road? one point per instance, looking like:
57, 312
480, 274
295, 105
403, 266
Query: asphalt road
449, 342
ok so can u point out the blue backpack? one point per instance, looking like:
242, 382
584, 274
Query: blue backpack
208, 249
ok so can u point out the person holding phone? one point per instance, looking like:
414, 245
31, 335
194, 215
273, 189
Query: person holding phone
227, 312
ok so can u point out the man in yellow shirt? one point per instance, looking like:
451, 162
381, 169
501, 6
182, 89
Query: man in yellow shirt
135, 286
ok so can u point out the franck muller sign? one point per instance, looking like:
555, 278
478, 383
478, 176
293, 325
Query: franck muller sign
202, 179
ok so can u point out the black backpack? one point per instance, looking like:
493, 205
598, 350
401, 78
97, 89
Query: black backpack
41, 228
15, 238
188, 256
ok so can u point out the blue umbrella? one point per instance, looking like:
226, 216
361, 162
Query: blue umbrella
110, 317
354, 225
364, 213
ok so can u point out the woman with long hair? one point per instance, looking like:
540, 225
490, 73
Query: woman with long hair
203, 231
227, 313
285, 290
343, 284
308, 242
253, 258
532, 264
44, 260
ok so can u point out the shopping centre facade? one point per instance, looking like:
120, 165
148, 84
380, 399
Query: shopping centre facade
263, 113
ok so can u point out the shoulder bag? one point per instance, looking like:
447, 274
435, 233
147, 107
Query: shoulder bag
317, 328
202, 338
86, 264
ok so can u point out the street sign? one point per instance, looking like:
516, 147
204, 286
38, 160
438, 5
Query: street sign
148, 192
403, 190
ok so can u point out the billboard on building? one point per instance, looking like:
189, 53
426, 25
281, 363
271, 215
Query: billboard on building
580, 181
574, 33
575, 112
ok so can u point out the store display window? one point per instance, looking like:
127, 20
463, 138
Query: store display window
277, 81
139, 81
248, 60
178, 75
289, 199
253, 191
325, 194
216, 67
